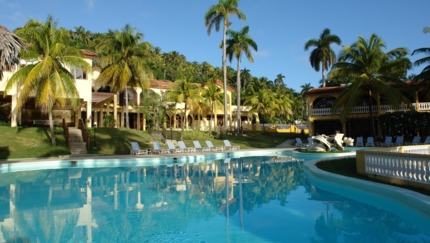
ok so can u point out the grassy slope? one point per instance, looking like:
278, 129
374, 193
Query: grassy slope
35, 142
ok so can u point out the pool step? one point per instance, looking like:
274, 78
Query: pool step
77, 144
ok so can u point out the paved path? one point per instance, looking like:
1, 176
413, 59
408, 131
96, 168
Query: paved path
289, 143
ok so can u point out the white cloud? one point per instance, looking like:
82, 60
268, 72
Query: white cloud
301, 58
90, 4
262, 53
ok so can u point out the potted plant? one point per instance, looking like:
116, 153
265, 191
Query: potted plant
109, 121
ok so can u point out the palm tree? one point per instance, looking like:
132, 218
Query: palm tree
370, 70
10, 46
424, 76
279, 80
124, 64
305, 88
239, 43
262, 102
322, 54
183, 91
214, 16
245, 75
47, 80
212, 95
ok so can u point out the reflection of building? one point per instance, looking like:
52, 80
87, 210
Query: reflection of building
322, 120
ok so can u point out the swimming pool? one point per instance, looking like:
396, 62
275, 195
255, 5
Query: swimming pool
264, 196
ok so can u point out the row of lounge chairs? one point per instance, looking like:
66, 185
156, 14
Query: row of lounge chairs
300, 144
172, 149
370, 142
388, 142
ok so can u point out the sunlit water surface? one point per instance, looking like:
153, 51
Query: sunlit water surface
252, 199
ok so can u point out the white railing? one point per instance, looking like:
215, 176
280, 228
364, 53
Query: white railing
365, 109
390, 108
410, 163
424, 106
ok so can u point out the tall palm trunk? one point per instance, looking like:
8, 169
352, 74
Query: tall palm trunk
51, 127
238, 115
127, 124
224, 66
185, 119
212, 115
323, 77
372, 125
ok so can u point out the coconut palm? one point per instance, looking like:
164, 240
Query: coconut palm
245, 75
183, 91
239, 43
322, 54
10, 46
305, 88
424, 76
371, 70
47, 80
217, 14
213, 96
279, 81
124, 62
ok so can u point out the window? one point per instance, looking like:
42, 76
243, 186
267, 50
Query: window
78, 73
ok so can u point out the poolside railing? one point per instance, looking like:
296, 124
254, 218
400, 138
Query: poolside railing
400, 165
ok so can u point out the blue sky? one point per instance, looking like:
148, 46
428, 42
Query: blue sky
279, 27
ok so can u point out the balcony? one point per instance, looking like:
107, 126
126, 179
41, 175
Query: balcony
365, 109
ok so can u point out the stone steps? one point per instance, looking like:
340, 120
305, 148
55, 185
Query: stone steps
77, 144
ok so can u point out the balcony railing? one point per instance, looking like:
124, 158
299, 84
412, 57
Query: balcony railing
365, 109
409, 163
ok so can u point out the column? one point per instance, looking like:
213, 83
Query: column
115, 109
138, 92
14, 110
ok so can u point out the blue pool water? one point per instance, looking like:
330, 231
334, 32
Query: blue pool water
265, 196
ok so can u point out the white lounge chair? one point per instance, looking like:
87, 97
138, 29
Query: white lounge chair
212, 147
158, 150
135, 149
199, 147
173, 148
300, 144
228, 146
388, 141
359, 142
370, 142
398, 142
185, 148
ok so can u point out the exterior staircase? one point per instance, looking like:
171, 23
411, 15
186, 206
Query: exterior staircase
77, 144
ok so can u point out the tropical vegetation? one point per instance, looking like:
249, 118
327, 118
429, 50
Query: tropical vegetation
214, 16
128, 62
322, 57
46, 78
370, 70
239, 43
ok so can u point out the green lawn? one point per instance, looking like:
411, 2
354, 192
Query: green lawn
35, 142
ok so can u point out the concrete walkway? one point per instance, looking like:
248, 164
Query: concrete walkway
289, 143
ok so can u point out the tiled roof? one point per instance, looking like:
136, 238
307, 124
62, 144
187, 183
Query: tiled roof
221, 83
89, 54
325, 89
160, 84
164, 84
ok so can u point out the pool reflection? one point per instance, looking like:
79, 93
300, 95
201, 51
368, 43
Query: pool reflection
258, 197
